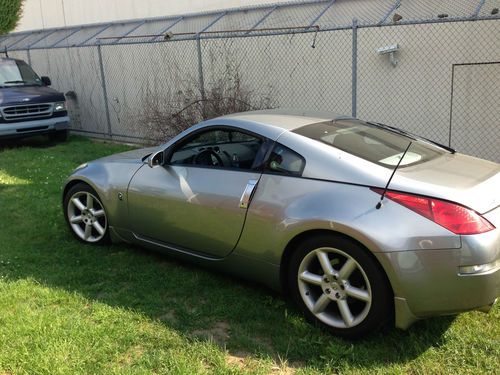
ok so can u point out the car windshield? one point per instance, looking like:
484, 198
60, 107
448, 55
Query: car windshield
371, 142
17, 72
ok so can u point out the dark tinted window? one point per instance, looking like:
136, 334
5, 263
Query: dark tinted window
218, 148
283, 160
370, 142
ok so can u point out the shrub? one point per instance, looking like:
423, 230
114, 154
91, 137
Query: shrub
167, 114
10, 11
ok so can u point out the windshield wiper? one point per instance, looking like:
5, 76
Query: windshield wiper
412, 136
25, 83
18, 81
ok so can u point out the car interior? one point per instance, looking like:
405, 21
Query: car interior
219, 148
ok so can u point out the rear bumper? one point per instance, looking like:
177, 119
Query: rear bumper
35, 127
444, 282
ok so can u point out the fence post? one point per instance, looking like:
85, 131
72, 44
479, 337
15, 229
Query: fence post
354, 84
200, 73
28, 53
450, 128
104, 90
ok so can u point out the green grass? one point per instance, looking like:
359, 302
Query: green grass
69, 308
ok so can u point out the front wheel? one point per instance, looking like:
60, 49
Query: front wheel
339, 286
85, 214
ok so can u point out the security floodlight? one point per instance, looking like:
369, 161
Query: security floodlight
391, 50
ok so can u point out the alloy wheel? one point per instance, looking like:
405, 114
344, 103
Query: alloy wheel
86, 216
334, 287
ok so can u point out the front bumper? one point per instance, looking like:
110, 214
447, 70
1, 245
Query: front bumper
443, 282
34, 127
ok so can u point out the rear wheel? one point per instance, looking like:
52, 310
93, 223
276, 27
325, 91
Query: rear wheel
339, 286
85, 214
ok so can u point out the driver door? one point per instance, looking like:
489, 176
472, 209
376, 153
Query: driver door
198, 200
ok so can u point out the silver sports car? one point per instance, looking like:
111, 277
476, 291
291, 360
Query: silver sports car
361, 223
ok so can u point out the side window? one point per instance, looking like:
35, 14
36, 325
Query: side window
221, 148
285, 161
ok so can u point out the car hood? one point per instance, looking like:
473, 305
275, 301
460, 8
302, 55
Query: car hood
464, 179
14, 95
133, 156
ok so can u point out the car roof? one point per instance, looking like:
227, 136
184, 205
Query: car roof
288, 119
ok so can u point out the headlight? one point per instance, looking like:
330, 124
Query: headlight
60, 106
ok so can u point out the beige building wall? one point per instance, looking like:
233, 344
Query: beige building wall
42, 14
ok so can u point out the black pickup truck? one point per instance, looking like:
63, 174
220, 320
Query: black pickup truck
27, 105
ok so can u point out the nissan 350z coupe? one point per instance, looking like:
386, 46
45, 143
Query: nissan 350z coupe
361, 223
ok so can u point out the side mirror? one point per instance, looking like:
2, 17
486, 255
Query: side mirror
46, 80
156, 159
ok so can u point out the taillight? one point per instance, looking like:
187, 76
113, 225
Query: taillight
452, 216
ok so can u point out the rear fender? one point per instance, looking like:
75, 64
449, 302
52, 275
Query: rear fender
284, 207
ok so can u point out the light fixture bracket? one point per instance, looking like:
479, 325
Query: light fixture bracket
391, 51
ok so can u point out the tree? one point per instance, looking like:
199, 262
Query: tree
10, 11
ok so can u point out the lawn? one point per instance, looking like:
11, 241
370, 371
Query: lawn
70, 308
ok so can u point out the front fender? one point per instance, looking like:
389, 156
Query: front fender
110, 181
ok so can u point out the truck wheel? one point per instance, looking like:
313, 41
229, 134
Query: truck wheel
59, 135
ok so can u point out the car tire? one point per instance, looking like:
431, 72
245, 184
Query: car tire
59, 135
339, 286
86, 215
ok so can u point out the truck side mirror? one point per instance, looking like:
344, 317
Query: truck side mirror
46, 80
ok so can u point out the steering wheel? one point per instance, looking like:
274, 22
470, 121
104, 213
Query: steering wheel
208, 157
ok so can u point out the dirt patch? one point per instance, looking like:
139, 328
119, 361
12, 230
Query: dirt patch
265, 342
283, 370
168, 316
219, 333
131, 356
245, 361
237, 359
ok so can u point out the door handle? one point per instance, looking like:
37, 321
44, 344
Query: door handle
247, 193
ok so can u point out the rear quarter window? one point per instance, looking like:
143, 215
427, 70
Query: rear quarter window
283, 160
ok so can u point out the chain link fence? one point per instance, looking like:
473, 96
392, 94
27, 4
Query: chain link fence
418, 92
442, 81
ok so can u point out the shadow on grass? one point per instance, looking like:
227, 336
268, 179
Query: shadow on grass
39, 141
246, 319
